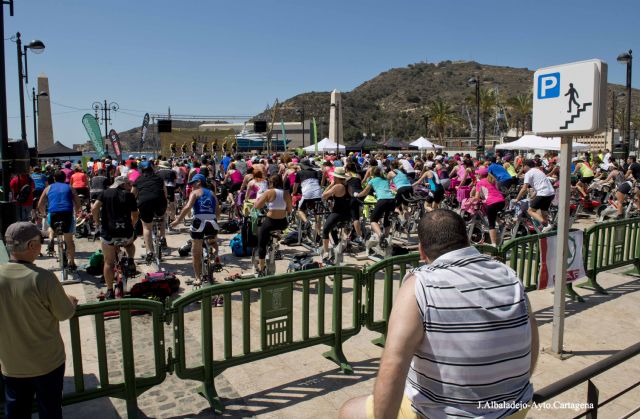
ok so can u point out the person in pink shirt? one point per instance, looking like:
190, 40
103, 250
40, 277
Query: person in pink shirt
133, 174
490, 195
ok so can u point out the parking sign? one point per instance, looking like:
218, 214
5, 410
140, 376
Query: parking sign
570, 98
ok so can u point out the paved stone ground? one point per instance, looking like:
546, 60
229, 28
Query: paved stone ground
304, 384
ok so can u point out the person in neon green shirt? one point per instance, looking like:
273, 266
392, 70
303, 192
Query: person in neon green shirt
586, 175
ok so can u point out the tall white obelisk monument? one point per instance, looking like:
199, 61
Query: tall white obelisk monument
335, 118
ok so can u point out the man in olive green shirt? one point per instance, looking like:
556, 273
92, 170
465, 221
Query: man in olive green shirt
32, 305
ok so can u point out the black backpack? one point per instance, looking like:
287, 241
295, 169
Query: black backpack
24, 192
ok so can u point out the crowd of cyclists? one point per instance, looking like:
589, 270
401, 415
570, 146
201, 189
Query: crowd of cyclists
370, 195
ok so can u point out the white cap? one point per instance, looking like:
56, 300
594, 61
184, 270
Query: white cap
400, 155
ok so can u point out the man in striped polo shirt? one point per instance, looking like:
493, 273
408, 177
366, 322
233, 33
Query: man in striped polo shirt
461, 341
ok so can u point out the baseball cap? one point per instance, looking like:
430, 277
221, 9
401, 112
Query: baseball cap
120, 180
483, 171
21, 232
144, 164
130, 156
198, 178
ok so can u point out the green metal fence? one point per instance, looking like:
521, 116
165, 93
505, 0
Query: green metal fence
610, 245
280, 328
393, 269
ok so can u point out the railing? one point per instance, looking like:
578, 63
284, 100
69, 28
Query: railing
394, 268
610, 245
281, 328
587, 374
284, 319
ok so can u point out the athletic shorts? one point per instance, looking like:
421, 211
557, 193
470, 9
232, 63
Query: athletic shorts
150, 209
171, 193
82, 191
210, 229
309, 204
624, 188
541, 202
436, 195
403, 195
383, 208
68, 223
356, 209
108, 240
586, 180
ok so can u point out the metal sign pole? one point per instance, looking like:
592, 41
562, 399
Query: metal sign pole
562, 249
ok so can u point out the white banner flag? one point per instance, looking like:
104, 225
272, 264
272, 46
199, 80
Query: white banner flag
575, 265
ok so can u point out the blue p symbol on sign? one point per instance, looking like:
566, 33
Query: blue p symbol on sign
548, 85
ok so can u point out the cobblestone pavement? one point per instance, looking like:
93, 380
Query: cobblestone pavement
304, 384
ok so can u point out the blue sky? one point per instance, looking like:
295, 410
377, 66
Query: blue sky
224, 57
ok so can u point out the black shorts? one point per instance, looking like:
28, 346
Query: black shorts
108, 239
150, 209
436, 195
541, 202
171, 193
624, 188
403, 195
586, 180
384, 208
82, 191
356, 209
309, 204
65, 217
209, 230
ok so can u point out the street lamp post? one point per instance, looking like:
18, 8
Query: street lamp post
37, 47
35, 97
105, 110
627, 58
614, 102
301, 113
475, 81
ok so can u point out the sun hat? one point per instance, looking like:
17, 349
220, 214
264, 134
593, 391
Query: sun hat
120, 180
164, 164
198, 178
439, 157
339, 172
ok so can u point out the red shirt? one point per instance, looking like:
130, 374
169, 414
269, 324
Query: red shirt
17, 183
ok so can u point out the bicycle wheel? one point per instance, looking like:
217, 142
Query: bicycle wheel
62, 258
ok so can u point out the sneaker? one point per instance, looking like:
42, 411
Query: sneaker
547, 228
218, 302
110, 295
50, 248
197, 282
149, 257
373, 240
72, 267
327, 261
163, 242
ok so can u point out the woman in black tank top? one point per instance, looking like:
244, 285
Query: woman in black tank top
341, 210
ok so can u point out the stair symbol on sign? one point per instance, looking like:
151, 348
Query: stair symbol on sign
576, 115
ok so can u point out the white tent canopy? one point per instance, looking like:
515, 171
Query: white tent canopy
422, 144
324, 146
533, 142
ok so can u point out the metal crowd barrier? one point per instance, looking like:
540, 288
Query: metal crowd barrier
610, 245
279, 332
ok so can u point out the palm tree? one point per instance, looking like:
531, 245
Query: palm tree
441, 115
521, 106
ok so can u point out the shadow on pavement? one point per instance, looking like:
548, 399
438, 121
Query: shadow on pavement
546, 315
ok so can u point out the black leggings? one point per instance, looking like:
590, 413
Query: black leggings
492, 213
264, 233
332, 221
